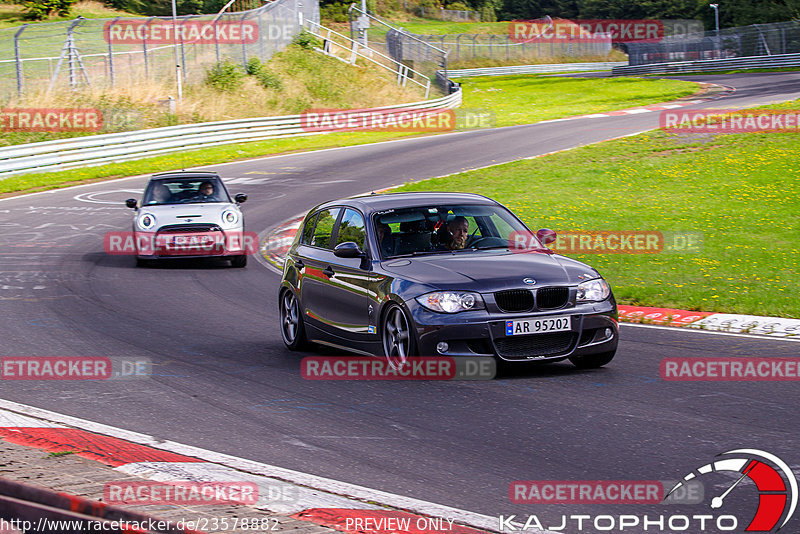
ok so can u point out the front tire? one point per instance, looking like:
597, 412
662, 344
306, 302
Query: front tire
592, 361
397, 336
238, 261
293, 329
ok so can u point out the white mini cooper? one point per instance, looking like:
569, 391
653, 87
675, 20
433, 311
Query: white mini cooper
189, 215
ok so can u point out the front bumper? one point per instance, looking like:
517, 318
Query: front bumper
593, 330
188, 244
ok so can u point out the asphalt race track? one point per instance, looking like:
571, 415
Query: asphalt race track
223, 380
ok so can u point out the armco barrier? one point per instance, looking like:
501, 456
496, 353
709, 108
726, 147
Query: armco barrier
535, 69
60, 512
711, 65
111, 148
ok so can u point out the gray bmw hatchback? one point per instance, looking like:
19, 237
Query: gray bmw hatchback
449, 274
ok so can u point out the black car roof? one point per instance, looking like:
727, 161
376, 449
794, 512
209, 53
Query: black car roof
184, 174
385, 201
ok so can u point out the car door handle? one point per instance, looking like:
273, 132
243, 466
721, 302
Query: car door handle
298, 263
328, 271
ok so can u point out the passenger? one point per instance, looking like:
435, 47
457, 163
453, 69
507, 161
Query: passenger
385, 238
160, 194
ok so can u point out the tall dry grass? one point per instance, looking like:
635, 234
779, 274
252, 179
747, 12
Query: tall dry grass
309, 80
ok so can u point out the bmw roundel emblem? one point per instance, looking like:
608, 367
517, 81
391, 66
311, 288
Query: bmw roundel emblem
529, 281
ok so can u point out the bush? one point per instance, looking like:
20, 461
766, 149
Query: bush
225, 76
334, 12
458, 6
267, 79
306, 40
253, 66
41, 9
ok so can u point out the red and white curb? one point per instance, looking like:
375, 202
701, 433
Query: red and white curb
302, 496
722, 91
714, 322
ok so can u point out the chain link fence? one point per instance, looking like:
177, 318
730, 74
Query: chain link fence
755, 40
403, 47
500, 47
125, 51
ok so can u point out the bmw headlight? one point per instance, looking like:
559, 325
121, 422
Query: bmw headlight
230, 217
146, 221
451, 301
593, 290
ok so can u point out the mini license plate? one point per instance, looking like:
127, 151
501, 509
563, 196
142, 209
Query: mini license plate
539, 325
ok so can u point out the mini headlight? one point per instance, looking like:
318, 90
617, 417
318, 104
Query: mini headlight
229, 217
147, 221
593, 290
451, 301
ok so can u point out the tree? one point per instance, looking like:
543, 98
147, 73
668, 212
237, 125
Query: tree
41, 9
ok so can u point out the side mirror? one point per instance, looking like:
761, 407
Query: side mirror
240, 198
546, 236
348, 249
131, 203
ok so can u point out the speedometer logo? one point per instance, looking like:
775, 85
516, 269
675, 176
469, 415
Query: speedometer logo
776, 484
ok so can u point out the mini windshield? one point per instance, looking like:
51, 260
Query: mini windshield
434, 229
184, 191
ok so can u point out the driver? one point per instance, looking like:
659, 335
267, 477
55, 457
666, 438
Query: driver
457, 231
206, 191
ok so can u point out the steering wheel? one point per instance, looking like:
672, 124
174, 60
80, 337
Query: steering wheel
486, 240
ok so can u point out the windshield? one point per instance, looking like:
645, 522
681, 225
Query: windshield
184, 191
446, 228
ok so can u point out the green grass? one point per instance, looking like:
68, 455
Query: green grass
527, 98
438, 27
739, 191
527, 93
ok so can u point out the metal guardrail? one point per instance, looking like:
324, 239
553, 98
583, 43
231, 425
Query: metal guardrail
116, 147
711, 65
535, 69
354, 48
37, 509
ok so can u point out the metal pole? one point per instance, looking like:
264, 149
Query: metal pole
111, 52
18, 59
144, 49
184, 71
178, 79
244, 49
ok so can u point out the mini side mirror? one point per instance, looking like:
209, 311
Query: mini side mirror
240, 198
131, 203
